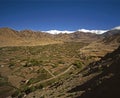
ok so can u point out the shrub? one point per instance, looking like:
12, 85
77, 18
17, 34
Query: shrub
61, 62
16, 93
78, 64
21, 95
42, 97
32, 80
33, 62
29, 90
11, 64
40, 86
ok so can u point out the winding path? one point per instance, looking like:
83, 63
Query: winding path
49, 72
52, 77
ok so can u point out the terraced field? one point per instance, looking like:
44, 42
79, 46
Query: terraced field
30, 68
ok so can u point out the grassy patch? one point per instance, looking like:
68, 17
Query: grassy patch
78, 64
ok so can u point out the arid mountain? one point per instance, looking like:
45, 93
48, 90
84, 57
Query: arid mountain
111, 32
104, 45
107, 83
84, 36
10, 37
112, 39
99, 79
77, 36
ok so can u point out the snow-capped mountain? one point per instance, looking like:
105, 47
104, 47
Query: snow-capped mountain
116, 28
93, 31
80, 30
58, 31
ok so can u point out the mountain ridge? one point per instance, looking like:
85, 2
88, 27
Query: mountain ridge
10, 37
79, 30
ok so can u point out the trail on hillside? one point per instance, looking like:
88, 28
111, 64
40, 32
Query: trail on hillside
52, 77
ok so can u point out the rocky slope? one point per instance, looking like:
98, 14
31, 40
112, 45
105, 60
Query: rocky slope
97, 80
106, 84
109, 41
111, 32
10, 37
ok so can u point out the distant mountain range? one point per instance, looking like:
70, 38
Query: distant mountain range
106, 84
80, 30
68, 31
10, 37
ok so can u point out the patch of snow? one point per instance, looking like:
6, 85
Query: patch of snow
58, 31
116, 28
93, 31
80, 30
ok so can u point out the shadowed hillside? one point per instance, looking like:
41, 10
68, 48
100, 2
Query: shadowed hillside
107, 83
65, 66
104, 45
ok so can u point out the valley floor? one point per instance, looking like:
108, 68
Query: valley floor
52, 71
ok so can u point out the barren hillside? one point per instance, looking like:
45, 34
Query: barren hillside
10, 37
42, 65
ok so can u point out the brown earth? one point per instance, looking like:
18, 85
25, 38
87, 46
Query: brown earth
66, 65
10, 37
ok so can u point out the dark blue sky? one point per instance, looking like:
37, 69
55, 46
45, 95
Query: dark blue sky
59, 14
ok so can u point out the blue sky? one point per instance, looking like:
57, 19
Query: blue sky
59, 14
